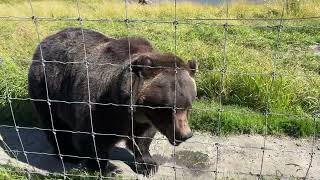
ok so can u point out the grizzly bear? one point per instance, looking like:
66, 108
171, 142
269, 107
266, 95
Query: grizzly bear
93, 91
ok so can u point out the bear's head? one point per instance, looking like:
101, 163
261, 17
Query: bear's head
166, 96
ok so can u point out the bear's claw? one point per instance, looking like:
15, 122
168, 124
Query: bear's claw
146, 166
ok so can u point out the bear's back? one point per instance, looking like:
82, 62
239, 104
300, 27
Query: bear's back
67, 45
65, 55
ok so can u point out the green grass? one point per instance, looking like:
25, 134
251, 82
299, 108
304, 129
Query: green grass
248, 89
14, 173
239, 120
10, 173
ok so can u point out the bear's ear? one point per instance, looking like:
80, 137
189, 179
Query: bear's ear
193, 67
141, 65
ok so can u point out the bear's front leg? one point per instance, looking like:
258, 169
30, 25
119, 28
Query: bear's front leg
144, 164
102, 146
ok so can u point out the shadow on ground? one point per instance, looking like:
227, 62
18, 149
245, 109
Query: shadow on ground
202, 157
40, 154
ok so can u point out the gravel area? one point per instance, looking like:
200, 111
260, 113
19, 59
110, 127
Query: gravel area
198, 158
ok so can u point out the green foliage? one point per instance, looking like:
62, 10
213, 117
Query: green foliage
10, 173
13, 173
293, 6
240, 120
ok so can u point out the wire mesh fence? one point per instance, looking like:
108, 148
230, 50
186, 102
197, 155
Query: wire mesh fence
226, 24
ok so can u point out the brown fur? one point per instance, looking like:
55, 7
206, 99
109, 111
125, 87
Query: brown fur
157, 79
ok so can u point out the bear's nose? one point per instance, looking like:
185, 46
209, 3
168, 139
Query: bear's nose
187, 136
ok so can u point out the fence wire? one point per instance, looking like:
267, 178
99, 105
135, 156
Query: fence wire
273, 74
217, 147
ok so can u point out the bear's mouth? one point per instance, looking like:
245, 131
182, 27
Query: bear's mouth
175, 143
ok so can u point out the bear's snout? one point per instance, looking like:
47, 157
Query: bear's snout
186, 136
183, 131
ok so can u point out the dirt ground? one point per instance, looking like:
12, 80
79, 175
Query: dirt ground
235, 157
